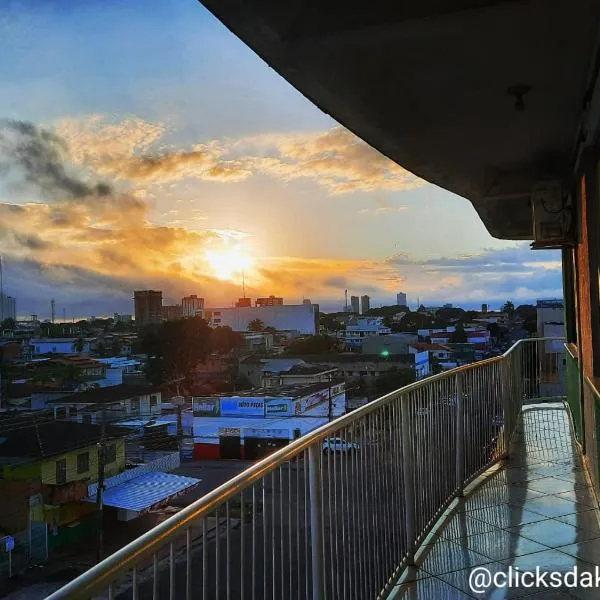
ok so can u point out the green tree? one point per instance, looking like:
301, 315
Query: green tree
315, 344
256, 325
79, 345
9, 323
393, 379
224, 339
459, 336
174, 348
509, 308
115, 347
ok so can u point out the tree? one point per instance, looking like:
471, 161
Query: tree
494, 329
115, 347
316, 344
224, 339
509, 308
79, 345
174, 348
393, 379
256, 325
9, 323
459, 336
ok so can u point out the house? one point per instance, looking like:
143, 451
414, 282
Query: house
437, 351
10, 350
41, 346
45, 470
394, 343
363, 327
109, 403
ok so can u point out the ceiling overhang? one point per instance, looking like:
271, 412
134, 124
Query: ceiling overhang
483, 98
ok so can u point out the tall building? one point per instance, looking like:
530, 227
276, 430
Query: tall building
148, 307
270, 301
243, 303
192, 306
401, 299
172, 312
8, 307
484, 308
365, 304
354, 305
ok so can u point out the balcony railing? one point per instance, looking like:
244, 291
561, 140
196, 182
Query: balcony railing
340, 512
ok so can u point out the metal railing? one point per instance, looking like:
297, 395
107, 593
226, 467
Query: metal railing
340, 512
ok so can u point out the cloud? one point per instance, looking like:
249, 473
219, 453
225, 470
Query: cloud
382, 210
131, 151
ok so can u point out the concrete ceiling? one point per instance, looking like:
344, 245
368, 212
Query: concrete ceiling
430, 84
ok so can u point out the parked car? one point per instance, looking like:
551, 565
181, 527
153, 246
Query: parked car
339, 445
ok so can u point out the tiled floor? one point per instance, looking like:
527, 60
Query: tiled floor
539, 511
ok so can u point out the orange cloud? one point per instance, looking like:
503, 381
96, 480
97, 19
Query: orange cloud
335, 159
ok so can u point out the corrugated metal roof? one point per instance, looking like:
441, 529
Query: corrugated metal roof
146, 490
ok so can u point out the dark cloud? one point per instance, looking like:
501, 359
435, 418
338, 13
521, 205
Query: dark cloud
40, 155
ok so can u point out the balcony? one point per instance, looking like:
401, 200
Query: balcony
400, 498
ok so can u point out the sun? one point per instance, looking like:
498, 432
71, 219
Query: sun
229, 263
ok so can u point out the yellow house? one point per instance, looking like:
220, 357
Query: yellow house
63, 457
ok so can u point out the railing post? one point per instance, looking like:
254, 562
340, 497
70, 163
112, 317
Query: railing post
408, 479
460, 435
507, 404
316, 522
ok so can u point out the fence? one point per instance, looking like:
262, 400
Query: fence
340, 512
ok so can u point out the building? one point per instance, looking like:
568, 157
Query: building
299, 318
356, 367
270, 301
243, 303
355, 305
61, 457
8, 307
365, 304
252, 424
306, 301
148, 307
550, 318
401, 299
117, 318
437, 351
484, 308
394, 343
108, 404
172, 312
192, 306
358, 329
58, 346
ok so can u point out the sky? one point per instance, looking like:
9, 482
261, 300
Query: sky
151, 149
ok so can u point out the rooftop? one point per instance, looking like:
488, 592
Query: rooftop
107, 395
49, 438
285, 391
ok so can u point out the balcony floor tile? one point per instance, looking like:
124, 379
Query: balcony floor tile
537, 511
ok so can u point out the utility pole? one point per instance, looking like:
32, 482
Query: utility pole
100, 490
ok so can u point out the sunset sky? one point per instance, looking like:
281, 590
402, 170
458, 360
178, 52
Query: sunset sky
144, 146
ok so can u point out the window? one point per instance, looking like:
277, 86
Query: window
61, 412
72, 411
83, 462
110, 453
135, 404
61, 471
153, 401
86, 418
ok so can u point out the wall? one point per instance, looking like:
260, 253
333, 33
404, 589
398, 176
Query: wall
48, 467
301, 317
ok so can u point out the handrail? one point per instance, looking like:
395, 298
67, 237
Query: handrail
102, 574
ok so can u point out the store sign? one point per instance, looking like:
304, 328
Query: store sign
281, 434
229, 432
205, 407
313, 400
279, 407
247, 407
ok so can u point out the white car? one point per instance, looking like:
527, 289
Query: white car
339, 445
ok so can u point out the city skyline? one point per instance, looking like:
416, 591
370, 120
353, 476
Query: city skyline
181, 162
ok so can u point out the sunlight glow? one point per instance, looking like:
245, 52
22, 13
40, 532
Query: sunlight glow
229, 263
